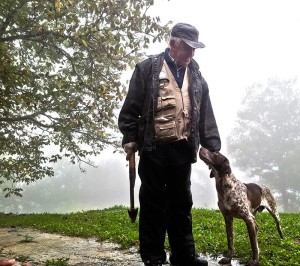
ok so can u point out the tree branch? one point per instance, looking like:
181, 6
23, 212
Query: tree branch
20, 118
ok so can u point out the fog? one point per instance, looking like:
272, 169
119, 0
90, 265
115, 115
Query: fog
246, 42
71, 190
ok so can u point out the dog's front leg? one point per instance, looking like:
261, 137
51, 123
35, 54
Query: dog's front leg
252, 231
229, 232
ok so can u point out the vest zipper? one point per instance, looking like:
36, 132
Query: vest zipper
183, 107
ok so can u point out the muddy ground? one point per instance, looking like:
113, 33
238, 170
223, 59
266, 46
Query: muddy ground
38, 247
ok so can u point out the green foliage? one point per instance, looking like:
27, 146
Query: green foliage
209, 232
265, 140
60, 78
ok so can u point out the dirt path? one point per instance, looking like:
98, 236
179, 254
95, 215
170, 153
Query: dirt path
38, 247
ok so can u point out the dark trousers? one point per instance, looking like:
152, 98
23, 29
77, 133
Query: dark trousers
165, 203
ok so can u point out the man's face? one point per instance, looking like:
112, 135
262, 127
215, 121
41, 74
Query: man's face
182, 53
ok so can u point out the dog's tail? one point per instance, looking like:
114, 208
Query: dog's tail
270, 204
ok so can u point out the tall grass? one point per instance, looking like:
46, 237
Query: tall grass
209, 231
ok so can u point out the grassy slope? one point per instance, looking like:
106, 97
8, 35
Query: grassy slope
209, 231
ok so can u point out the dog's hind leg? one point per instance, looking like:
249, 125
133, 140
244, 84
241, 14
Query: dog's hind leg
270, 204
229, 232
275, 215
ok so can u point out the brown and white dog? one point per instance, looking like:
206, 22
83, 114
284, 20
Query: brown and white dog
239, 200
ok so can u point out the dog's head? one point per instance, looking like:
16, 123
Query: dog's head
216, 161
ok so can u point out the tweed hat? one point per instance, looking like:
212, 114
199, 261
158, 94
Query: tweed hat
188, 33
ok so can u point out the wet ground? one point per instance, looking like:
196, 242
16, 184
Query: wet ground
37, 247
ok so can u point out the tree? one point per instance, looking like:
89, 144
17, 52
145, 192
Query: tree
60, 78
265, 141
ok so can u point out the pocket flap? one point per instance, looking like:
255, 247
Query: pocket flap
166, 102
167, 125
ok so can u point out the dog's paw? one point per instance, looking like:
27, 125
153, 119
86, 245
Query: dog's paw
225, 260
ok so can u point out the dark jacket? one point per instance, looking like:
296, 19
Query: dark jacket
136, 117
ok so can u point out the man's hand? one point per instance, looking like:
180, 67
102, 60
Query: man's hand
130, 148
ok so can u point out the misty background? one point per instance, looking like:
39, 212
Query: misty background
250, 46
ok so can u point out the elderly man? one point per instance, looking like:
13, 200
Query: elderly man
166, 115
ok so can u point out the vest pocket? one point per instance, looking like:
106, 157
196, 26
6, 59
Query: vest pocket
165, 132
165, 125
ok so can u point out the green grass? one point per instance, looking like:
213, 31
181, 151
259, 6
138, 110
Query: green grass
209, 231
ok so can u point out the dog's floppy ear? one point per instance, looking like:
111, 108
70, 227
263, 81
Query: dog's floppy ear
225, 169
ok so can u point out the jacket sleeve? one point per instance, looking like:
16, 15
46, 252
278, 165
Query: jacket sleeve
209, 133
132, 108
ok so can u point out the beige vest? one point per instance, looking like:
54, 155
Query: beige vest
173, 108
